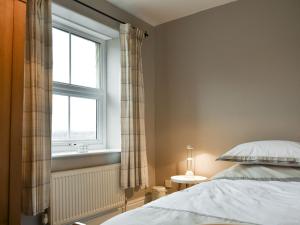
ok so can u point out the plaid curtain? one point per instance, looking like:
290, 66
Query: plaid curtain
134, 167
36, 150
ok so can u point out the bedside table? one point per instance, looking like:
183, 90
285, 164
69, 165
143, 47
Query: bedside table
187, 180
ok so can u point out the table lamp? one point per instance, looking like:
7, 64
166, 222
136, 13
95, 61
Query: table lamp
189, 161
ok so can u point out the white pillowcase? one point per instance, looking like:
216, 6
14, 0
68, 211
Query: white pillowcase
275, 152
260, 173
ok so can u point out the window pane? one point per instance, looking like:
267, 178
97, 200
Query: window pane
83, 118
60, 117
84, 62
60, 56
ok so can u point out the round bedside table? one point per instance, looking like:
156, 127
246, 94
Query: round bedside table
187, 180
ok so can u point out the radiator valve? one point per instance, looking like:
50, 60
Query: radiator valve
45, 220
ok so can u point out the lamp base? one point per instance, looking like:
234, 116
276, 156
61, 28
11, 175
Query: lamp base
189, 173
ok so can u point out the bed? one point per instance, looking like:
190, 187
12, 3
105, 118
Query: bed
242, 194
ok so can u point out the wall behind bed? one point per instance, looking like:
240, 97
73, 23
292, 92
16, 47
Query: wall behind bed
225, 76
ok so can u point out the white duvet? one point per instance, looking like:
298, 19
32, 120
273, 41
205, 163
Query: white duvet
222, 201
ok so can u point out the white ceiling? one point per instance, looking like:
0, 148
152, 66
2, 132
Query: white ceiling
156, 12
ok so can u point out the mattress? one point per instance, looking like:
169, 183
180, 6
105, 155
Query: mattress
222, 201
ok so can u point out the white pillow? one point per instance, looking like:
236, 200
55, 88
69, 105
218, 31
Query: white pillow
279, 153
260, 173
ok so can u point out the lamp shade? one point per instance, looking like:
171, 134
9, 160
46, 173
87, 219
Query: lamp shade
189, 161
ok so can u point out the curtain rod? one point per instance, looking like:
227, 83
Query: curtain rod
103, 13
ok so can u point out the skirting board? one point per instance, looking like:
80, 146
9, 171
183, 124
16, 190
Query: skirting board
131, 204
101, 218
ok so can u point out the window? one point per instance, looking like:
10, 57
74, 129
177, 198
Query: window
79, 91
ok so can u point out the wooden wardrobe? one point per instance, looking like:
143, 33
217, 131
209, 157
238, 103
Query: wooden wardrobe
12, 39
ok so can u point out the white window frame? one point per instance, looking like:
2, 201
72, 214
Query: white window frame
99, 93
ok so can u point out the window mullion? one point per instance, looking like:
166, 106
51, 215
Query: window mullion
69, 98
97, 119
70, 58
69, 118
98, 73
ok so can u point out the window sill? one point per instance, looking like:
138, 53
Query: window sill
89, 153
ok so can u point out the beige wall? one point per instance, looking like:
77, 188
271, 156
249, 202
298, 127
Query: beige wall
225, 76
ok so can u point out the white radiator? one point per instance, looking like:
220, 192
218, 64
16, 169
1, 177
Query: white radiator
76, 194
